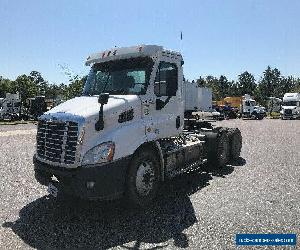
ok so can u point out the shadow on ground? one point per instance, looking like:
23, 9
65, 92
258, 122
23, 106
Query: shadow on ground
45, 223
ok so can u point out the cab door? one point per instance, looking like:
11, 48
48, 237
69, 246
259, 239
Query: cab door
167, 105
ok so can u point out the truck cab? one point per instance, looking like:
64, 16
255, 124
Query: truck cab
249, 109
290, 106
125, 134
11, 107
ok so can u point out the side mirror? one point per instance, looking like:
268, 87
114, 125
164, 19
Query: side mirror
103, 98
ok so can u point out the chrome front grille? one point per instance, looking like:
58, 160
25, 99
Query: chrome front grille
288, 112
56, 141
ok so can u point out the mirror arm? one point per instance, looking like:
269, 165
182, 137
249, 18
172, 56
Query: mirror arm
100, 123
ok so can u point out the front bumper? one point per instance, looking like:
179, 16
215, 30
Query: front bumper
290, 116
108, 178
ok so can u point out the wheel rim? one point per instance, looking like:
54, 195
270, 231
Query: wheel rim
145, 178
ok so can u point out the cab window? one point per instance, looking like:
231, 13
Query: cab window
166, 80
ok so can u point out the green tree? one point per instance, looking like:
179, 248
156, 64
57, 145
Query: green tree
246, 83
25, 86
296, 87
75, 87
201, 82
234, 89
223, 86
286, 85
38, 80
268, 84
213, 83
5, 86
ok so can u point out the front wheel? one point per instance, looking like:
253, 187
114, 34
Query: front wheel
143, 177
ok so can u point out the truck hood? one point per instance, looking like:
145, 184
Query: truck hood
88, 106
260, 109
289, 107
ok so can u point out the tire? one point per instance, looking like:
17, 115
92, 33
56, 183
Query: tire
222, 149
235, 141
260, 117
219, 155
143, 177
42, 178
254, 116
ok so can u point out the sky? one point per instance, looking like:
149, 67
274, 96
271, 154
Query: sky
219, 37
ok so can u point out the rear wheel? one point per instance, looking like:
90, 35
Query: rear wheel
235, 141
260, 116
143, 177
219, 155
254, 116
223, 149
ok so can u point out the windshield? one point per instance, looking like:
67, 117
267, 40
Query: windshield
120, 77
290, 103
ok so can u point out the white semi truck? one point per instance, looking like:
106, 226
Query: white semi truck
249, 109
290, 106
10, 107
126, 134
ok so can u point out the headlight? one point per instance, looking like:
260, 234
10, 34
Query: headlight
104, 152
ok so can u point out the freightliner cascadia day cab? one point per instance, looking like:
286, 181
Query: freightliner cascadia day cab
127, 133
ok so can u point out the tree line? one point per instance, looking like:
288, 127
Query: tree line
271, 83
34, 85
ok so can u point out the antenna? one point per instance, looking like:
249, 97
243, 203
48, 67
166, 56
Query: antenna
181, 36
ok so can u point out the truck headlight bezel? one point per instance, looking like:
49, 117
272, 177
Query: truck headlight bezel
101, 153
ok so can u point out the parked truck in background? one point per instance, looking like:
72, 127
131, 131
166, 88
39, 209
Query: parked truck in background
127, 133
34, 107
232, 101
10, 107
249, 109
290, 106
242, 106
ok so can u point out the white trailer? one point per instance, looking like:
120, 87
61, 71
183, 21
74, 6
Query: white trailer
127, 133
197, 98
290, 106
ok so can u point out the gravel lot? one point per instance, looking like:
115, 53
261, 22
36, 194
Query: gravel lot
199, 210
